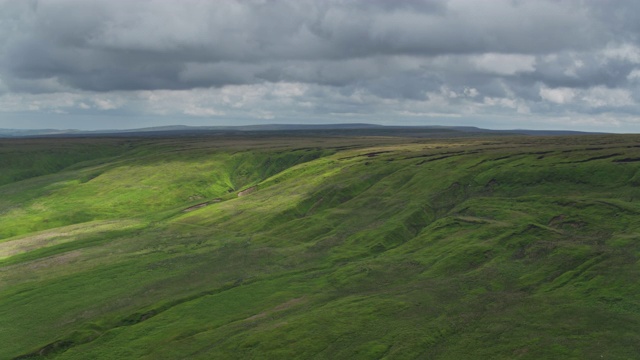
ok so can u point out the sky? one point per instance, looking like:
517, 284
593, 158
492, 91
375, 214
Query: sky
499, 64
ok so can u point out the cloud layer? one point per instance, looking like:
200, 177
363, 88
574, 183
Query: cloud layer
503, 63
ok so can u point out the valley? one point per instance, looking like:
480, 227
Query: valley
320, 247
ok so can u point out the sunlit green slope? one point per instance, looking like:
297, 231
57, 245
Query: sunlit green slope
342, 248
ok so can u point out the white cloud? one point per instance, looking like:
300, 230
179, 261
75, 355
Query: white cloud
601, 96
572, 69
428, 114
195, 110
105, 104
471, 92
558, 95
594, 97
503, 102
634, 75
625, 51
504, 64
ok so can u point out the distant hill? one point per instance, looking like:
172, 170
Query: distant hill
349, 129
36, 132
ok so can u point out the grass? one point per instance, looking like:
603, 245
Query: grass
365, 248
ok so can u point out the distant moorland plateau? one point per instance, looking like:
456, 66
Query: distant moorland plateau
312, 130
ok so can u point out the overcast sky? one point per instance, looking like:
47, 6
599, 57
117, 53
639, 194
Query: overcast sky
103, 64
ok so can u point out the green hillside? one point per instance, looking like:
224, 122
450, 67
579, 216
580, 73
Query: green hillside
342, 248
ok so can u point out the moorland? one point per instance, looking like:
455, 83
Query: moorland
320, 247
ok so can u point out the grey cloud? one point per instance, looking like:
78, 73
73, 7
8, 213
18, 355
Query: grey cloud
147, 44
410, 85
349, 57
579, 71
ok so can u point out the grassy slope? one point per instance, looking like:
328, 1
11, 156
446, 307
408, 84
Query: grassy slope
350, 248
